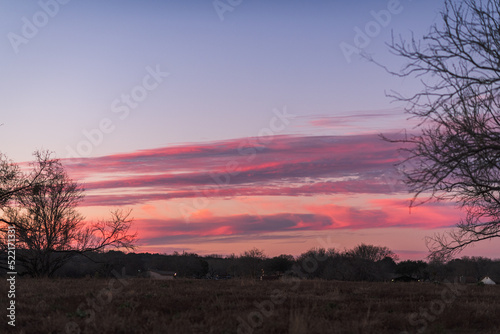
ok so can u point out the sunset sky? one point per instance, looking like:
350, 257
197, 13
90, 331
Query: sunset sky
224, 125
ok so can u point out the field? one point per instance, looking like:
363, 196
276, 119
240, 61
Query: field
246, 306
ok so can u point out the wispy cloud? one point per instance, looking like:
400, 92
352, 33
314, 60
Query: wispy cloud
331, 217
337, 183
363, 121
268, 166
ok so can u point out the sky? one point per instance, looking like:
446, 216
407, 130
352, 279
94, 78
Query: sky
223, 125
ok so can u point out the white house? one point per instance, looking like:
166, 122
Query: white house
487, 281
161, 275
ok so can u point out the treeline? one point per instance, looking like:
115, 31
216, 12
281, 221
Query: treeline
362, 263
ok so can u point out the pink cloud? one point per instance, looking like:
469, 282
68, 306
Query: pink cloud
314, 218
279, 165
293, 166
174, 230
363, 122
318, 188
391, 213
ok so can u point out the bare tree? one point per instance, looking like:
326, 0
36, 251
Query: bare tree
371, 253
13, 181
254, 253
8, 174
49, 230
455, 153
251, 261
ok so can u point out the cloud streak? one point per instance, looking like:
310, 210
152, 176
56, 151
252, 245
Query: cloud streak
356, 170
331, 217
265, 166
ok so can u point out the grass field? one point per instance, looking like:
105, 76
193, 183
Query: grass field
244, 306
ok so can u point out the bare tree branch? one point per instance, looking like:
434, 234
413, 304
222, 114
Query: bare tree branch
49, 230
455, 153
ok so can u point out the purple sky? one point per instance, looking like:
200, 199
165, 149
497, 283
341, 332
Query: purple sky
223, 126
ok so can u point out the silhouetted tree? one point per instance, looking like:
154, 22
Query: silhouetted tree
371, 253
12, 180
281, 263
48, 229
313, 262
386, 268
8, 175
251, 262
411, 268
455, 152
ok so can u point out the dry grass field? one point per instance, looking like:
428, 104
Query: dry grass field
244, 306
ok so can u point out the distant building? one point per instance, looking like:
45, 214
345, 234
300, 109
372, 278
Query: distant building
487, 281
160, 274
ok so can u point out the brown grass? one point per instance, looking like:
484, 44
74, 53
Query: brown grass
201, 306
